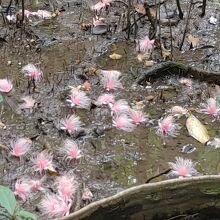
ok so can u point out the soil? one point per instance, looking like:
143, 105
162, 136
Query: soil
112, 159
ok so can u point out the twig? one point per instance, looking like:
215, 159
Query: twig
160, 174
179, 9
203, 8
187, 22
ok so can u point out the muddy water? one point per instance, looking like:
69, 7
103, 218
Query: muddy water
112, 159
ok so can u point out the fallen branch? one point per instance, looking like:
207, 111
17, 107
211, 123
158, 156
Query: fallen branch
155, 199
174, 68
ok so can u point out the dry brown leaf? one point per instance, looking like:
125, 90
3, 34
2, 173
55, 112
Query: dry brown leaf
51, 171
2, 125
139, 105
149, 98
115, 56
92, 70
140, 8
148, 62
165, 53
193, 40
55, 13
197, 130
3, 147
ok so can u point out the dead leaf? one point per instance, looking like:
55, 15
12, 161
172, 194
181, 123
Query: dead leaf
2, 125
197, 130
193, 40
149, 98
3, 147
55, 13
115, 56
141, 57
92, 70
165, 53
140, 8
148, 62
139, 105
51, 171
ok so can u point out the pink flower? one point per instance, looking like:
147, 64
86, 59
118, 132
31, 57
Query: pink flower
145, 45
211, 108
36, 185
101, 4
66, 186
71, 124
20, 147
123, 122
43, 14
28, 102
86, 85
54, 206
167, 127
137, 116
22, 189
98, 21
32, 72
182, 168
5, 85
71, 150
120, 107
186, 82
110, 79
105, 99
43, 161
178, 110
87, 194
79, 99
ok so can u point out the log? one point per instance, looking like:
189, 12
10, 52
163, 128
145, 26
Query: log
181, 70
155, 200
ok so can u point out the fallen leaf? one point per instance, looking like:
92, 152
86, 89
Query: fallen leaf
139, 105
3, 147
141, 57
55, 13
193, 40
197, 130
51, 171
92, 70
2, 125
115, 56
149, 98
165, 53
148, 62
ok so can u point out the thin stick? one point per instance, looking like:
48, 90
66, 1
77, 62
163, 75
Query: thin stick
187, 22
179, 9
203, 8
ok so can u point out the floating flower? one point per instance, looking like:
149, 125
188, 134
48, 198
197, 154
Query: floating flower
137, 116
87, 194
186, 82
20, 147
145, 45
105, 99
182, 168
211, 108
32, 72
66, 186
54, 206
71, 150
28, 102
86, 85
43, 14
43, 161
123, 122
120, 107
79, 99
5, 85
168, 127
110, 79
178, 110
22, 189
71, 124
36, 185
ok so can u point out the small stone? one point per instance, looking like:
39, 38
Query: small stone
19, 63
9, 62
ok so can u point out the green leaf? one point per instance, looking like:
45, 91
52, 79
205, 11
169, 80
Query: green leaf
26, 214
7, 199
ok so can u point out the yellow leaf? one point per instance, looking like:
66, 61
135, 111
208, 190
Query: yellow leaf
148, 62
165, 53
193, 40
197, 130
2, 125
115, 56
52, 171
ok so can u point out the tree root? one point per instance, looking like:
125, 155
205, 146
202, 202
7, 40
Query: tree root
181, 70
